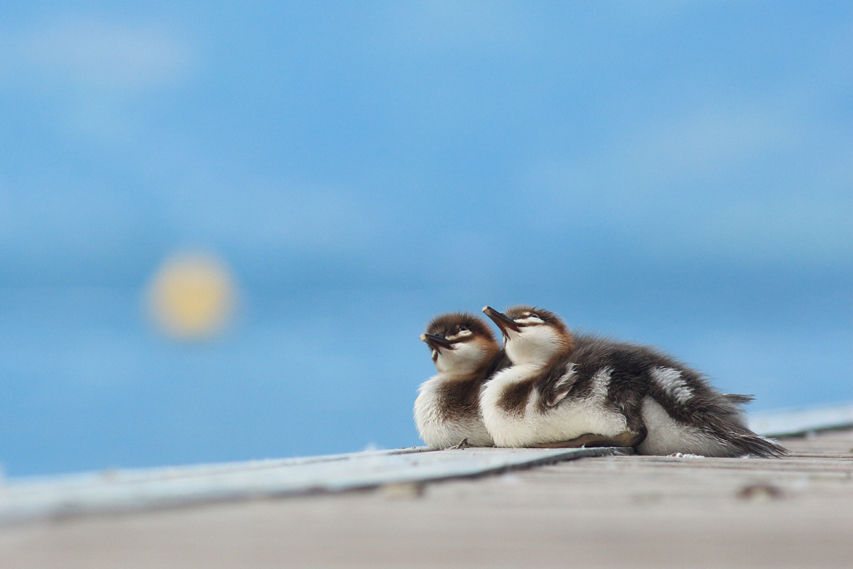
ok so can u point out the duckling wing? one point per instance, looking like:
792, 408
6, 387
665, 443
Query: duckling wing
555, 391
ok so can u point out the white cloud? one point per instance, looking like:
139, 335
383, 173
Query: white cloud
805, 228
92, 71
448, 26
502, 28
660, 161
747, 184
292, 216
96, 55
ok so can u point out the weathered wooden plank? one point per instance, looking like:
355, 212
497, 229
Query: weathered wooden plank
613, 511
112, 491
127, 490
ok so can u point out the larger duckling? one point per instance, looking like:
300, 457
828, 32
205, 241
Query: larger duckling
565, 389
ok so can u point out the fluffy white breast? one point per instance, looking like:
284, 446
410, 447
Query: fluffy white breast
571, 419
438, 432
506, 428
578, 416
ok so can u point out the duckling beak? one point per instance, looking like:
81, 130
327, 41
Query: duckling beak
503, 321
436, 341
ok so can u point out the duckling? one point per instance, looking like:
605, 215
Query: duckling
526, 404
466, 355
565, 389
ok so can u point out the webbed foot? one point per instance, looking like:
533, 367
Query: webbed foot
460, 445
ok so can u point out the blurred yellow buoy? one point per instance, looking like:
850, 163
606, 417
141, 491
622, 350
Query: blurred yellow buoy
192, 296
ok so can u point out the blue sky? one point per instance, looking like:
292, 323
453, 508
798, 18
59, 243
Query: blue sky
676, 173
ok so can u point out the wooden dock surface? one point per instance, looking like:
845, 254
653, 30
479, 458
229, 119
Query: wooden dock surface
611, 511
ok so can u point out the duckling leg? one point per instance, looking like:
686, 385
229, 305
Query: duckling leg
624, 439
460, 445
576, 442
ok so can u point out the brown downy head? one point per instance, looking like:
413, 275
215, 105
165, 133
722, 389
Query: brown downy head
460, 342
532, 335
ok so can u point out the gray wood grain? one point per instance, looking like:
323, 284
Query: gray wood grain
128, 490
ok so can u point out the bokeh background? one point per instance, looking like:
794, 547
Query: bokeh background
223, 225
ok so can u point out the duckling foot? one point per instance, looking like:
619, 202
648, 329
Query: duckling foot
460, 445
625, 439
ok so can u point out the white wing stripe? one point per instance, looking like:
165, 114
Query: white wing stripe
670, 380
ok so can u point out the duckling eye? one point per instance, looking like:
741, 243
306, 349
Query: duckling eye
463, 329
532, 315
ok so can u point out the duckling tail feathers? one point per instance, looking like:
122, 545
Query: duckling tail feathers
738, 399
758, 446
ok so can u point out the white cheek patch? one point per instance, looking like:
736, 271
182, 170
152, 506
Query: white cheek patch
670, 380
534, 344
467, 352
529, 320
465, 357
460, 334
540, 334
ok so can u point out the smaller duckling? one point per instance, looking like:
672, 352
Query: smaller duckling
578, 388
466, 355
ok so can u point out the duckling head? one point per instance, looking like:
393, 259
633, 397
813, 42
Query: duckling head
531, 335
460, 343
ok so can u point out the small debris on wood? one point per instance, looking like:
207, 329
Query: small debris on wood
760, 493
403, 490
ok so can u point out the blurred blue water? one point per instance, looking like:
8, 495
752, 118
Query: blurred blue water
86, 382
